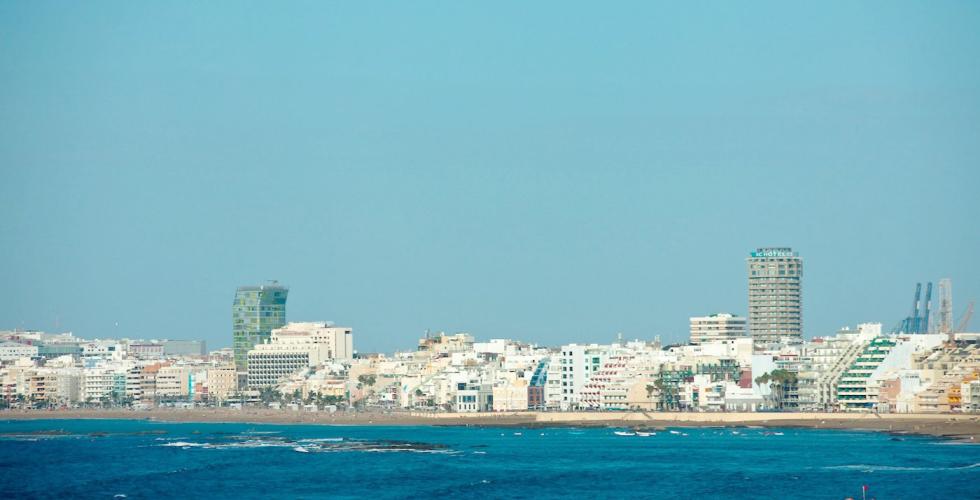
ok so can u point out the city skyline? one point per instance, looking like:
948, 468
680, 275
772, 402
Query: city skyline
480, 171
269, 300
440, 247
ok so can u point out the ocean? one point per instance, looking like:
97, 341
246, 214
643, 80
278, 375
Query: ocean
142, 459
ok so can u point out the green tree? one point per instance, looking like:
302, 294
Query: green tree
781, 383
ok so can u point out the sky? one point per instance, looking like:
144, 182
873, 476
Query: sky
555, 172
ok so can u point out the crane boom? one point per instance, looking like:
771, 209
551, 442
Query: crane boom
965, 319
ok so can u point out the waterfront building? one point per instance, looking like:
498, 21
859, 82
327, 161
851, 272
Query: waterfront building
824, 360
577, 364
536, 387
884, 356
174, 382
511, 395
970, 391
148, 382
52, 385
134, 388
103, 384
473, 397
612, 383
256, 311
222, 382
775, 297
717, 327
297, 346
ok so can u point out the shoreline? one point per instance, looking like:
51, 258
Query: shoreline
958, 427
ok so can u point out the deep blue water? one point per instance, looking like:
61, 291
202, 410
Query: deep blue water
140, 459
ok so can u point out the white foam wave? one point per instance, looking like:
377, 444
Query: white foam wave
184, 444
319, 445
896, 468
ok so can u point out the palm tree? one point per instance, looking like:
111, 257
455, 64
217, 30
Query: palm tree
781, 383
668, 395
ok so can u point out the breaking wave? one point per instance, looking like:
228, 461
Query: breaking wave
896, 468
318, 445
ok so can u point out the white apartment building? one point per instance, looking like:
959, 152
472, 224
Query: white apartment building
604, 389
296, 346
970, 393
134, 387
473, 397
738, 348
575, 367
717, 327
103, 349
102, 383
10, 351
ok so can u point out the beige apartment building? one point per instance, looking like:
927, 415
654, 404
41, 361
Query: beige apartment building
222, 382
721, 326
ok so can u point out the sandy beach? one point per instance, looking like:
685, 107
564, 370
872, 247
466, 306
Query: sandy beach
960, 427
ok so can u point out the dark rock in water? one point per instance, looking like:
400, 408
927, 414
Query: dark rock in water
407, 445
149, 433
381, 445
58, 432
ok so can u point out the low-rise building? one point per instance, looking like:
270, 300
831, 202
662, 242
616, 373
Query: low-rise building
10, 351
717, 327
511, 396
471, 398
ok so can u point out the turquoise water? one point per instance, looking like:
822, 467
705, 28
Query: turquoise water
140, 459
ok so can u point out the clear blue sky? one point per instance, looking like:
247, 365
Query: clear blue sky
549, 172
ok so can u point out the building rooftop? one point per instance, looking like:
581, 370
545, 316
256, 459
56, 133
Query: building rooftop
258, 288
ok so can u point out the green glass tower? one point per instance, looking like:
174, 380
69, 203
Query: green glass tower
257, 310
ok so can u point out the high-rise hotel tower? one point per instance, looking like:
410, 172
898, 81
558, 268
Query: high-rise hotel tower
775, 297
257, 310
